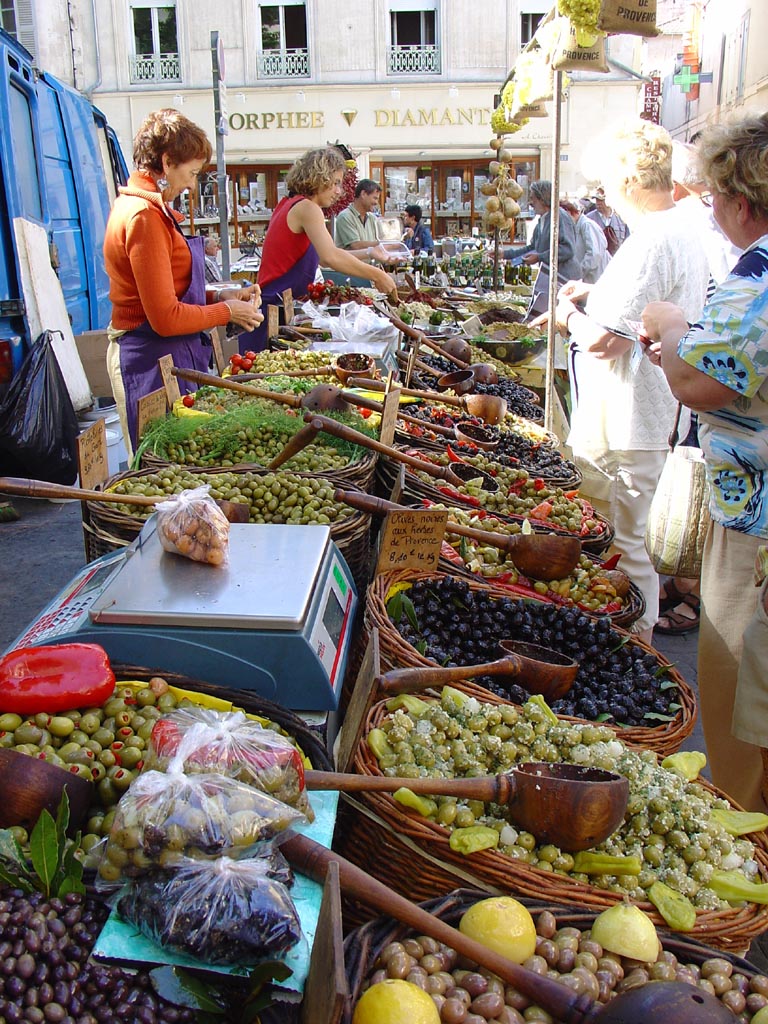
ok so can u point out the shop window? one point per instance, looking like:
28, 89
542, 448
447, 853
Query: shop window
413, 36
528, 25
8, 15
155, 42
284, 52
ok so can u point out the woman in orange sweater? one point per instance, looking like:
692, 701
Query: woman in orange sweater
157, 274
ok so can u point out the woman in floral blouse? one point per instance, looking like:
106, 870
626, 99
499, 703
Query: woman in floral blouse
719, 368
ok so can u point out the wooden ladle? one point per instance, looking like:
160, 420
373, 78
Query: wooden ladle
537, 669
456, 475
541, 556
489, 408
663, 1002
235, 511
568, 805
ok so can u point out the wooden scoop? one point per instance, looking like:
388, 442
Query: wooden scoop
541, 556
536, 669
571, 806
489, 408
445, 473
661, 1002
236, 512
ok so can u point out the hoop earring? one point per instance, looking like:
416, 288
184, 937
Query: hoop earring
162, 184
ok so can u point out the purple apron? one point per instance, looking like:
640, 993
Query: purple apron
297, 278
141, 348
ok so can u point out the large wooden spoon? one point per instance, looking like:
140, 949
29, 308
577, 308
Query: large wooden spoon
537, 669
568, 805
489, 408
661, 1002
543, 556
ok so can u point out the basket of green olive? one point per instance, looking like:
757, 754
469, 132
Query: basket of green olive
564, 948
427, 619
279, 497
678, 830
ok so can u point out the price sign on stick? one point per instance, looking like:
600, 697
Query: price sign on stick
288, 305
412, 356
218, 352
273, 321
150, 407
389, 416
363, 695
170, 383
411, 539
398, 486
92, 458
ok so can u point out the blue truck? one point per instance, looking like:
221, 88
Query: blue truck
60, 166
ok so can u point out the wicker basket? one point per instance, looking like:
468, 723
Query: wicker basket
418, 491
398, 653
108, 528
634, 603
363, 946
730, 929
359, 473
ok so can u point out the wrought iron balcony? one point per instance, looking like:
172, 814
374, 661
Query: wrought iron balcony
163, 67
284, 64
413, 60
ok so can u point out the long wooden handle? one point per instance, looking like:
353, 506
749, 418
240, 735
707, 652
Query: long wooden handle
319, 371
355, 437
412, 680
427, 396
418, 364
499, 789
196, 377
312, 859
299, 441
42, 489
370, 403
459, 363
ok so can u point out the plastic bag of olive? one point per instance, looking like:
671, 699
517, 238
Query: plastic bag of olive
563, 947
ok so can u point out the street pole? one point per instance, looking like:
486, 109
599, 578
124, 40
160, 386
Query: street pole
549, 380
222, 129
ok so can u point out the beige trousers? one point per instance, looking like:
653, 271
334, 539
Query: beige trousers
728, 602
621, 486
118, 390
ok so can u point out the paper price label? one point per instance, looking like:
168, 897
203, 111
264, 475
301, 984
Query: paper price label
92, 456
389, 416
411, 539
153, 406
170, 383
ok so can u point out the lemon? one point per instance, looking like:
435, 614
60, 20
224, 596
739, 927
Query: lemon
503, 925
395, 1002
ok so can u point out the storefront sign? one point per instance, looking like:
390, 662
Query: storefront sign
438, 118
277, 119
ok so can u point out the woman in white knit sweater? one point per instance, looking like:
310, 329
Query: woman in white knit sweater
623, 408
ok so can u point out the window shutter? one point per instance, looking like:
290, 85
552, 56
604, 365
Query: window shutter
25, 25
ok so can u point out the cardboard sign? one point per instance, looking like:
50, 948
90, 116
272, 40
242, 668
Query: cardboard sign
472, 326
170, 383
398, 486
389, 416
363, 695
153, 406
288, 305
92, 457
411, 539
325, 990
412, 357
273, 321
219, 360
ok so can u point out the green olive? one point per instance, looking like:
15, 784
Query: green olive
103, 737
27, 732
108, 793
61, 726
10, 722
130, 757
90, 723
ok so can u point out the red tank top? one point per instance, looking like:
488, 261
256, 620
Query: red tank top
283, 248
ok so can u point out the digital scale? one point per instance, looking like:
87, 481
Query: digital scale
276, 619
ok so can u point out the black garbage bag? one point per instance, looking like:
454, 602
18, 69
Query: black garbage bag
38, 423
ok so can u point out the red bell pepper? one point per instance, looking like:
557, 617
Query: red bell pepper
612, 562
452, 456
60, 678
538, 484
542, 510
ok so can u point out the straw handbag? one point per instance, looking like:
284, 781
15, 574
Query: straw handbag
679, 517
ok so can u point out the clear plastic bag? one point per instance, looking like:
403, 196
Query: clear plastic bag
192, 524
222, 911
355, 323
167, 816
235, 746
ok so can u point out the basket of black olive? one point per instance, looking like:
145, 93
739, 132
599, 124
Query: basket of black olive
383, 948
427, 619
668, 814
511, 495
520, 399
279, 497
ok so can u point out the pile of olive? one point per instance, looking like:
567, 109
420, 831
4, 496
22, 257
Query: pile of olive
447, 416
518, 398
454, 625
290, 359
469, 995
271, 497
519, 494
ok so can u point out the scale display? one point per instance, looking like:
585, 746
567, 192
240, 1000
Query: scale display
277, 620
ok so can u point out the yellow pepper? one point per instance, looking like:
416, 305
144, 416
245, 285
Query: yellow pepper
735, 888
740, 823
676, 909
473, 839
549, 713
687, 763
452, 698
413, 705
588, 863
421, 804
378, 743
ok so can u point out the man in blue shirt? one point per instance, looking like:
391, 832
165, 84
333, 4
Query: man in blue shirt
417, 235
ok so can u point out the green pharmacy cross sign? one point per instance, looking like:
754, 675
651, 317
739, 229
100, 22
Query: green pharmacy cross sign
688, 78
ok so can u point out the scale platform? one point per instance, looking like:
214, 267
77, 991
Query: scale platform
276, 619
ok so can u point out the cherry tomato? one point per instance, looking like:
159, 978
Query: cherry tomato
188, 400
250, 354
236, 359
246, 364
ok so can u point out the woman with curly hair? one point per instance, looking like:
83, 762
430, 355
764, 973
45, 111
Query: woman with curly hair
719, 368
298, 241
623, 410
157, 274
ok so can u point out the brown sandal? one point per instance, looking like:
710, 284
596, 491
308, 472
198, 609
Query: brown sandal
677, 622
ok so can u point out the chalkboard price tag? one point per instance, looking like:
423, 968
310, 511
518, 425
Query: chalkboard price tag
92, 457
153, 406
411, 539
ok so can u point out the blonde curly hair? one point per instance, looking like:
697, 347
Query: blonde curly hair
638, 158
733, 158
314, 171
